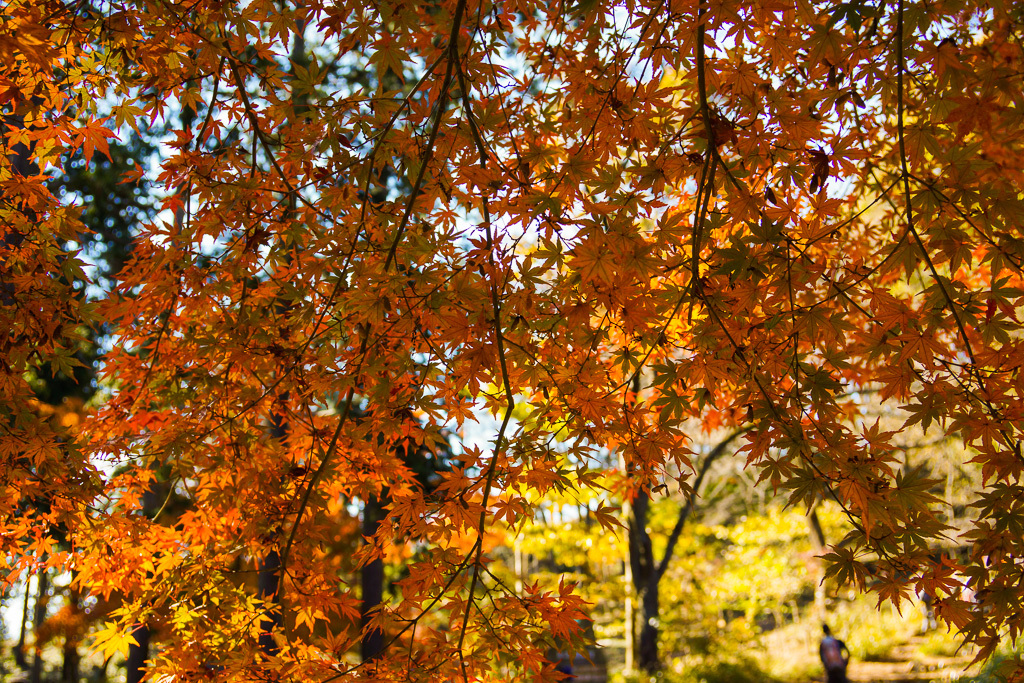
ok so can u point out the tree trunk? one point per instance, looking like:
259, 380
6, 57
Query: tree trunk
138, 654
646, 573
268, 581
21, 164
372, 579
268, 573
815, 530
19, 651
69, 672
629, 617
645, 579
818, 543
38, 618
649, 618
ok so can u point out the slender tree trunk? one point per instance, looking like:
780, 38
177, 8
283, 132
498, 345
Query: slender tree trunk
37, 622
372, 578
646, 573
818, 543
631, 559
268, 573
649, 613
21, 164
268, 581
520, 569
19, 651
70, 669
645, 580
268, 567
138, 654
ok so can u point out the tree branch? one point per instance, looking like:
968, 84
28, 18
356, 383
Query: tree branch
707, 177
684, 514
442, 105
905, 175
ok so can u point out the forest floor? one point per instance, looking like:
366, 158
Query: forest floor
907, 663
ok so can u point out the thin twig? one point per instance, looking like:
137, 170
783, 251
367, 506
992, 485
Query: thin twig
707, 177
905, 174
684, 514
442, 105
510, 402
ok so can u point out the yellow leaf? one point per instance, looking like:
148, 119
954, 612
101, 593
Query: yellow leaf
113, 640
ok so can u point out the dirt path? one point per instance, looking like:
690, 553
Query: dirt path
907, 664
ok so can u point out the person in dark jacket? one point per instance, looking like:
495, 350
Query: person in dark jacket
834, 656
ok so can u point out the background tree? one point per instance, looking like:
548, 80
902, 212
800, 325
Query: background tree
648, 569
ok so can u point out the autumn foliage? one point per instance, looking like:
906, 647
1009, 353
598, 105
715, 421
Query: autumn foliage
587, 223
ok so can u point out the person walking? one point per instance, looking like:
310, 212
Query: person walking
834, 656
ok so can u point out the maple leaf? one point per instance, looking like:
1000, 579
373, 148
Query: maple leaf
113, 639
